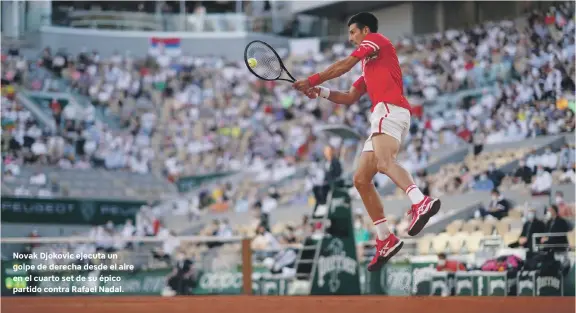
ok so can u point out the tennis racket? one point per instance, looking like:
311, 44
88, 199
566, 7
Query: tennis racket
268, 64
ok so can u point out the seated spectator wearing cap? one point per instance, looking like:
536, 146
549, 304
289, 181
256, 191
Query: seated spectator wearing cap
445, 265
531, 226
498, 206
555, 224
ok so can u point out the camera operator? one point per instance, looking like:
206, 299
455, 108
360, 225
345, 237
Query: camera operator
183, 276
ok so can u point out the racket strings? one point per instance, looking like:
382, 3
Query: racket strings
268, 65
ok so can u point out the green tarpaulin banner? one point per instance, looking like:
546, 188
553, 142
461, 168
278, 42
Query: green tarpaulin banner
145, 282
67, 211
394, 279
188, 183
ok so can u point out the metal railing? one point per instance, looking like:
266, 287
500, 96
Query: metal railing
536, 245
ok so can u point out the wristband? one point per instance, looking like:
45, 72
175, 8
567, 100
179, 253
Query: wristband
324, 92
314, 80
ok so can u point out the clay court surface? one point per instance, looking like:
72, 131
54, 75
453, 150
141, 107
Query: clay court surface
294, 304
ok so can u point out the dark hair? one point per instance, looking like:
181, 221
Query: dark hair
365, 19
496, 191
442, 256
555, 208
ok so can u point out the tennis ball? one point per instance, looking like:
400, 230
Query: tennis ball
252, 62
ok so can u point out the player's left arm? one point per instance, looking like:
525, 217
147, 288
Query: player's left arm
336, 70
370, 45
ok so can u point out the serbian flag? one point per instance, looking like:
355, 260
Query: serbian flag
170, 46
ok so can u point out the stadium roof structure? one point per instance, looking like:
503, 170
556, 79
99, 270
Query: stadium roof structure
344, 9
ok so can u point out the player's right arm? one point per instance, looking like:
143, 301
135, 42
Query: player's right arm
341, 97
345, 97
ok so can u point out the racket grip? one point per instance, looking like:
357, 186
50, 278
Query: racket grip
314, 80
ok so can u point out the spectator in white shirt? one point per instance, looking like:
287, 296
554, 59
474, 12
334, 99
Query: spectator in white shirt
105, 237
171, 242
542, 182
568, 176
128, 231
39, 147
549, 160
22, 191
38, 179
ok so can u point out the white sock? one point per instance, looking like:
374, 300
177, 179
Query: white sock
414, 193
382, 229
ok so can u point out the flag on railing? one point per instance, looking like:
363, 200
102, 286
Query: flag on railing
170, 46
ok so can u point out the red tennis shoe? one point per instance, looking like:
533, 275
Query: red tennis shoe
385, 249
421, 213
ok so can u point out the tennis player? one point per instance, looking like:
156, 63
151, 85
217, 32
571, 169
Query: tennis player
389, 124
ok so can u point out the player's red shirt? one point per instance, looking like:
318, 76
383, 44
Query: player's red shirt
381, 74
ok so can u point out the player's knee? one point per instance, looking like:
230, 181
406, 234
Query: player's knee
361, 181
384, 165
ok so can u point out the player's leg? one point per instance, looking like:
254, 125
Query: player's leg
386, 149
363, 181
392, 127
387, 245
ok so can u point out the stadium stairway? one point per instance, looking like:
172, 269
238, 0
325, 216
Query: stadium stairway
61, 91
37, 112
61, 85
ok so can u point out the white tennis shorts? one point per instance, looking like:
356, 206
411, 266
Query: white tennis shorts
390, 120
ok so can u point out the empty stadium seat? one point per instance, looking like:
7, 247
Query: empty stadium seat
456, 242
472, 242
454, 227
515, 213
516, 223
471, 226
503, 226
424, 244
511, 237
487, 227
440, 242
278, 228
